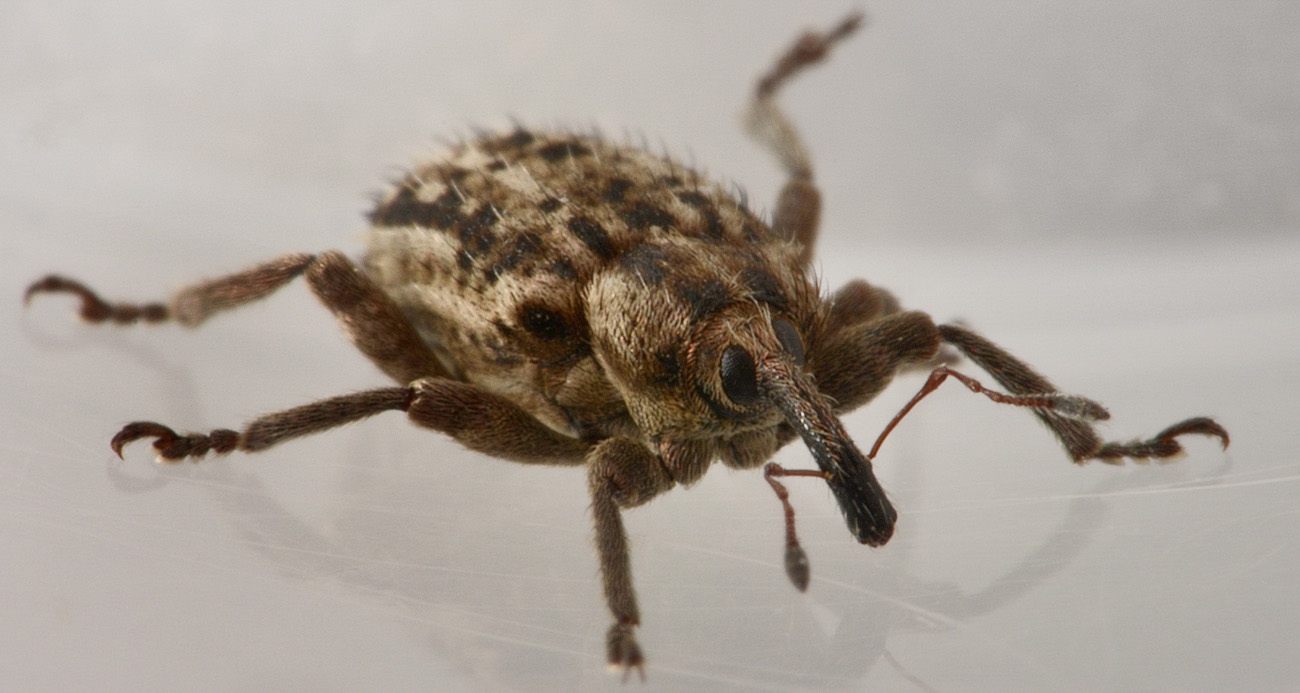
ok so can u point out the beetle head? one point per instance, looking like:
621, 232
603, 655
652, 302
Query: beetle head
711, 358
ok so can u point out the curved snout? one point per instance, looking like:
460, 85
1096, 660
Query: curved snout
867, 511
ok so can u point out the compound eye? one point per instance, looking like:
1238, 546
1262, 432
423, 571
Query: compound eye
788, 336
739, 377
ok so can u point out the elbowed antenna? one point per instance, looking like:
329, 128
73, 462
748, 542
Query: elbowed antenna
869, 514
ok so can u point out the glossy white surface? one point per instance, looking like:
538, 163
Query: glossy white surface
150, 143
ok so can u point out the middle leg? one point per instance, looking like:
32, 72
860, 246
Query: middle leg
371, 320
476, 418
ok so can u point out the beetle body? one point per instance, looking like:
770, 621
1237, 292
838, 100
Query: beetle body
580, 279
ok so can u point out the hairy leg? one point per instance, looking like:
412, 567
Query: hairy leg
190, 305
857, 302
856, 361
622, 473
366, 314
371, 320
1070, 416
859, 360
477, 419
798, 208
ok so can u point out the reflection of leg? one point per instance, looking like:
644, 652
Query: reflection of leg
621, 473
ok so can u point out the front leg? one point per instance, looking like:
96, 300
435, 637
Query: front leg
856, 360
621, 473
1068, 417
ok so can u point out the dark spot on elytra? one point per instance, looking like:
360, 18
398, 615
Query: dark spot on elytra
421, 263
616, 189
643, 215
549, 205
519, 139
764, 287
671, 181
704, 297
445, 211
397, 211
464, 260
556, 151
695, 199
525, 245
454, 174
475, 231
593, 235
647, 261
406, 209
563, 268
496, 165
542, 322
712, 226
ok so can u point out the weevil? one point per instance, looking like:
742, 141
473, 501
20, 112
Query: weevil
554, 298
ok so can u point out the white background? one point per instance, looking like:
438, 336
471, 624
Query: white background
1110, 190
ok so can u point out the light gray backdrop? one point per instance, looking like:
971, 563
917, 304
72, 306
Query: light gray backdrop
1109, 189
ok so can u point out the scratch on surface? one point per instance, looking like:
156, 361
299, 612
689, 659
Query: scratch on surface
1180, 487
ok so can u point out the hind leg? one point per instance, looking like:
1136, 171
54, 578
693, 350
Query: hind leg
189, 306
366, 314
798, 208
